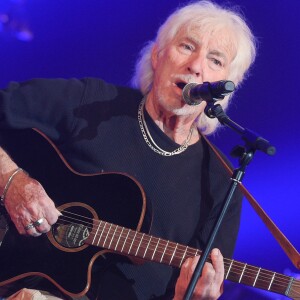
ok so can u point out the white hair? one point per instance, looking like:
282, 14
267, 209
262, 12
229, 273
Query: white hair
208, 17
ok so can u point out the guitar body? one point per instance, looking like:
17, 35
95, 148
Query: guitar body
99, 210
62, 256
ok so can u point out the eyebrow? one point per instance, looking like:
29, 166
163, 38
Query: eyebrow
192, 39
199, 43
219, 54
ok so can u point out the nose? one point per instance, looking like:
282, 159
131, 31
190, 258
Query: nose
195, 66
197, 74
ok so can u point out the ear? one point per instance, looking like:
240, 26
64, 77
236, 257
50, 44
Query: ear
154, 56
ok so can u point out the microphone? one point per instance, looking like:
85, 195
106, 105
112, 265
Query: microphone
195, 93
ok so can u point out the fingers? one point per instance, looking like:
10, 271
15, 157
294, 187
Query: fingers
212, 276
30, 229
34, 227
38, 221
218, 264
209, 285
189, 266
38, 203
29, 207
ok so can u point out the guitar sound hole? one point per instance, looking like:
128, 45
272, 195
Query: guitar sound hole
73, 227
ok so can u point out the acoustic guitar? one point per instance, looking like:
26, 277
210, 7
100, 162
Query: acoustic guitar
88, 229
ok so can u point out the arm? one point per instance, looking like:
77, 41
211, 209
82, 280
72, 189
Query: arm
209, 285
25, 199
43, 104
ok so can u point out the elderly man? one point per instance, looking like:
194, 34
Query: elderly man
149, 133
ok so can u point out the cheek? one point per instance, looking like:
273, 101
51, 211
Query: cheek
224, 75
168, 59
163, 70
211, 75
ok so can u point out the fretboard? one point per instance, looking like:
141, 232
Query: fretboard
129, 242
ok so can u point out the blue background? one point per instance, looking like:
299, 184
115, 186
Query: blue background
79, 38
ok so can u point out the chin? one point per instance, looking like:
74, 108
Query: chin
176, 105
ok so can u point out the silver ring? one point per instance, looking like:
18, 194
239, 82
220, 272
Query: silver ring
38, 222
29, 226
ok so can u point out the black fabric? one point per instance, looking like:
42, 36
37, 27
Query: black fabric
95, 126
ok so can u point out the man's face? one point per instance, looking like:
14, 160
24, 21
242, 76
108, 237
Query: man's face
192, 56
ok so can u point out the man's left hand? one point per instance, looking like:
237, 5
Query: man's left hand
209, 285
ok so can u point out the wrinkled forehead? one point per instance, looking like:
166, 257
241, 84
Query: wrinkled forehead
219, 36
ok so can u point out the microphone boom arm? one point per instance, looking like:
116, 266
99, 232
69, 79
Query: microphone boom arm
253, 141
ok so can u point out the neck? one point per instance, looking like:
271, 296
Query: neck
175, 127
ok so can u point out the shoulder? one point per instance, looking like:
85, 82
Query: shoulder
102, 90
88, 88
90, 82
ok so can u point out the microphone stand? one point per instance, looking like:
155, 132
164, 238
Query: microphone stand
245, 154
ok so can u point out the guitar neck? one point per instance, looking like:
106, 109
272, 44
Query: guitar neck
133, 243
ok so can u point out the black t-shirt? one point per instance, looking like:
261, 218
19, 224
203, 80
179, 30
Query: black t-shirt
95, 126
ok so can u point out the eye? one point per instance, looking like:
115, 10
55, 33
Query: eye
187, 47
217, 62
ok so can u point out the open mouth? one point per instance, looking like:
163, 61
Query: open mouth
181, 84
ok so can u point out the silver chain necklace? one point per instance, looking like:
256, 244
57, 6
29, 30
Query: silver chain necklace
154, 146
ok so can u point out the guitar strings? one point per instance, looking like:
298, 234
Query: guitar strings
188, 253
153, 238
279, 283
236, 267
